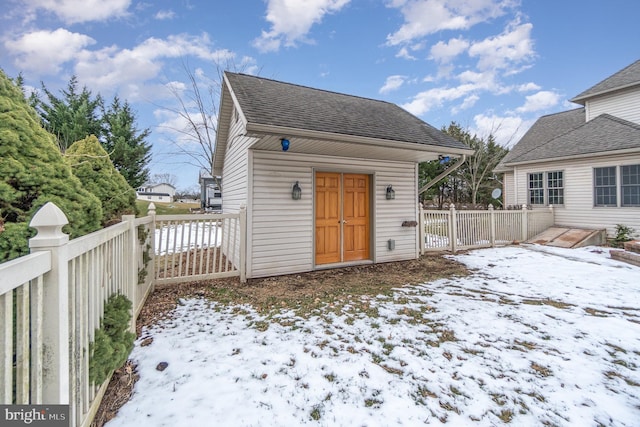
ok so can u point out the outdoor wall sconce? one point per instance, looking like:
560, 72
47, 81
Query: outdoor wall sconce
391, 194
443, 159
296, 192
285, 144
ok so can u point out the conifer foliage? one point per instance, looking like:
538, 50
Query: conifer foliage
91, 164
32, 173
113, 341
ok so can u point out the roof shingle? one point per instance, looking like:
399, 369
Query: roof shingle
627, 77
270, 102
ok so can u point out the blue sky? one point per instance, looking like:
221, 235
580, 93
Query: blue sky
494, 66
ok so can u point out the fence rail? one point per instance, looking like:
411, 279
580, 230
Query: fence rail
45, 348
453, 230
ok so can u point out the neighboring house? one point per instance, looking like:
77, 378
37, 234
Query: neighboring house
327, 179
162, 192
210, 192
585, 162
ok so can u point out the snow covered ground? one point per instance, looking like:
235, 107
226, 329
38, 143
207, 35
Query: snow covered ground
531, 338
181, 237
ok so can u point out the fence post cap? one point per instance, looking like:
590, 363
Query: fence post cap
48, 221
151, 209
524, 206
490, 207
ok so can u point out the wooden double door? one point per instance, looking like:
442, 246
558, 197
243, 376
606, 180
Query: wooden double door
342, 223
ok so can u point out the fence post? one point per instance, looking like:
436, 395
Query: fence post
151, 267
492, 226
48, 221
243, 243
525, 222
133, 266
453, 228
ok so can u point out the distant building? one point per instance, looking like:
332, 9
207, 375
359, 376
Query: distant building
210, 192
161, 192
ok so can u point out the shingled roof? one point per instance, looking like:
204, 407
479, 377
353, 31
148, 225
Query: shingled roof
623, 79
567, 135
278, 104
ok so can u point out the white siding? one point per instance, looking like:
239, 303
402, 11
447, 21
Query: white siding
281, 230
508, 189
579, 209
625, 105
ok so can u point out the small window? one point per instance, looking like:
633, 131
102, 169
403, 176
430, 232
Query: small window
630, 189
555, 188
536, 189
604, 186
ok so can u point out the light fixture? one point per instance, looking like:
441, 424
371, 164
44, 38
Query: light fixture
443, 159
391, 194
296, 192
285, 144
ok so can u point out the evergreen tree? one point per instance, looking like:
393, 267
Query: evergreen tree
91, 164
73, 116
32, 173
126, 145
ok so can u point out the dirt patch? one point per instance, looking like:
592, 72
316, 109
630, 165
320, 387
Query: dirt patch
301, 292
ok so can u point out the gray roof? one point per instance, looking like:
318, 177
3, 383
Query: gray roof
625, 78
560, 135
270, 102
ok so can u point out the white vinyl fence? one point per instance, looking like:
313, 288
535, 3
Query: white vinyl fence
453, 230
52, 300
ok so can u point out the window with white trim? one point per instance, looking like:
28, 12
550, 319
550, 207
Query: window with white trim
604, 186
616, 186
536, 189
546, 188
630, 185
555, 188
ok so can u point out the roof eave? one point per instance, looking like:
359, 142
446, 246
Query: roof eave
258, 129
574, 157
583, 99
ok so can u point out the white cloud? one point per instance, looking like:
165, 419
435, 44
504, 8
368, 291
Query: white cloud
164, 15
446, 52
467, 103
75, 11
539, 101
404, 53
506, 129
392, 83
511, 47
528, 87
45, 51
424, 17
291, 21
429, 99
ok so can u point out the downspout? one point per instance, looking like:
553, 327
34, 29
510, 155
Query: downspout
448, 171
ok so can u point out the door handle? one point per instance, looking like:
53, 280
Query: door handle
343, 221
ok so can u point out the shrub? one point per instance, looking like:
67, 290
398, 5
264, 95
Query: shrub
91, 164
113, 341
623, 234
32, 173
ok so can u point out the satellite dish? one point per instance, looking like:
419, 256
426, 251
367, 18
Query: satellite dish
496, 193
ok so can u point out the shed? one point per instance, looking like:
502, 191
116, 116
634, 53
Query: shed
328, 179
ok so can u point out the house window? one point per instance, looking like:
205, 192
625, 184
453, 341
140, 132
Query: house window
604, 186
536, 189
630, 188
555, 188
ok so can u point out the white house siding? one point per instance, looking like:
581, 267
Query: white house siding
234, 179
508, 189
578, 209
281, 230
625, 105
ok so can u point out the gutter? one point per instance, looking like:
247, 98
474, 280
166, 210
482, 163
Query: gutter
448, 171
